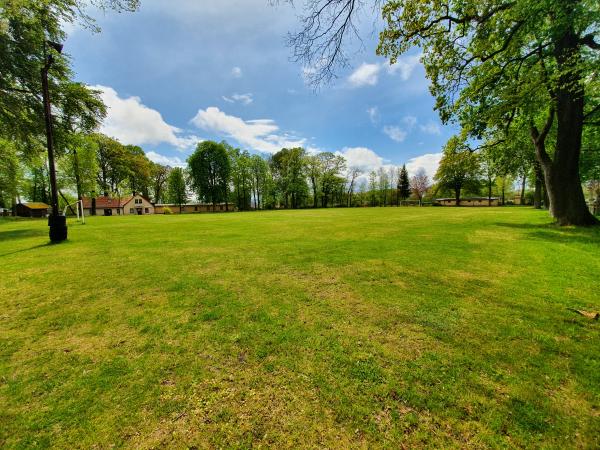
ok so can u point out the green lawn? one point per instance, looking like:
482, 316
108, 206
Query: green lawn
429, 327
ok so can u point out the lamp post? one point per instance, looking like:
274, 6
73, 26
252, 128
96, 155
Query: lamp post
56, 221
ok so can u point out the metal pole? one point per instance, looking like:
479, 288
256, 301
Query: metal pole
56, 222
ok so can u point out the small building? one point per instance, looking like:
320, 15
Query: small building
190, 208
468, 201
107, 206
33, 209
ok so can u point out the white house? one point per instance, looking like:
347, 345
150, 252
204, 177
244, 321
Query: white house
107, 206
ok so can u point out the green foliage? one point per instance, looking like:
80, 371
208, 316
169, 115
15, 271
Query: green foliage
176, 187
210, 171
459, 168
158, 177
241, 176
403, 184
287, 168
26, 25
10, 174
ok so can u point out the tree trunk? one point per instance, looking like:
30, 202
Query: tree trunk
523, 184
489, 192
537, 194
457, 195
561, 173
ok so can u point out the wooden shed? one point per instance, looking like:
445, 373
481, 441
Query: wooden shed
32, 209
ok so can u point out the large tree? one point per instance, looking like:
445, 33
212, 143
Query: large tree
459, 169
261, 180
10, 174
419, 184
332, 166
488, 62
25, 27
176, 187
403, 186
288, 169
210, 171
159, 175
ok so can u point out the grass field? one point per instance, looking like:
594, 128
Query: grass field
432, 327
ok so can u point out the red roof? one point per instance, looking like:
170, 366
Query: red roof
109, 202
106, 202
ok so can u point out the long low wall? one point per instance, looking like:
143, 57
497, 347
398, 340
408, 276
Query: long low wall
467, 202
190, 209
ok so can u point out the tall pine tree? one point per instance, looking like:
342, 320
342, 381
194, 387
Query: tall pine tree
403, 184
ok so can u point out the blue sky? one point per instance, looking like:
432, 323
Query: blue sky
180, 71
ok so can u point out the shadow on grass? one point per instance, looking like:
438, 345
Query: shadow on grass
557, 234
22, 234
47, 244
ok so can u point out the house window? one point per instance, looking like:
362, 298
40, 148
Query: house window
118, 211
130, 210
195, 208
108, 212
146, 211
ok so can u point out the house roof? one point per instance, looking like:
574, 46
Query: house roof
109, 202
35, 205
106, 202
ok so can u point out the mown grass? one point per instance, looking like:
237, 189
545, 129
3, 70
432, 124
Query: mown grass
384, 327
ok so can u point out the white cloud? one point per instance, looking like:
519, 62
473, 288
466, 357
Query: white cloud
165, 160
236, 72
405, 66
409, 121
362, 158
365, 75
373, 113
431, 128
368, 74
395, 133
244, 99
367, 160
133, 123
261, 134
428, 162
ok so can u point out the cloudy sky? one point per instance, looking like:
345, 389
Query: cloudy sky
176, 72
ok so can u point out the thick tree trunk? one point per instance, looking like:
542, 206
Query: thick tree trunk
561, 173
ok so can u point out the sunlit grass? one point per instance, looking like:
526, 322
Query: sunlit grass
436, 327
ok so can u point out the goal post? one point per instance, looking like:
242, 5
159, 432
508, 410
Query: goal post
78, 209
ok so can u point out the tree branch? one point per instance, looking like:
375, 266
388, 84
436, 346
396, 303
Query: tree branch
588, 40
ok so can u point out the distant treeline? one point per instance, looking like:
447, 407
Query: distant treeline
217, 172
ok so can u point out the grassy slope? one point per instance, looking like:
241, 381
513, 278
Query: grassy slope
434, 326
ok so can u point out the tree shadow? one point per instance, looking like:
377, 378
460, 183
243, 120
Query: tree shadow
22, 234
47, 244
557, 234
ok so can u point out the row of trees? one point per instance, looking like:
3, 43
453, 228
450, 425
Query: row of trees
293, 178
96, 164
